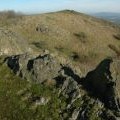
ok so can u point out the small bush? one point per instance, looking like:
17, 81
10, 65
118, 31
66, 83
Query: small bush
81, 36
9, 14
63, 50
115, 49
9, 18
75, 56
70, 11
59, 48
40, 45
117, 36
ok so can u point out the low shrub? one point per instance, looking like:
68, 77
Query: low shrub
75, 56
81, 36
9, 18
9, 14
115, 49
40, 45
117, 36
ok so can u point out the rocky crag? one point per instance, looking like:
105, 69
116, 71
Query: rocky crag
93, 97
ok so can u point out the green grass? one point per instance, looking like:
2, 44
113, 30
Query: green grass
10, 104
16, 98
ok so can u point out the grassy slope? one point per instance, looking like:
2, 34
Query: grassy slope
16, 99
61, 36
64, 36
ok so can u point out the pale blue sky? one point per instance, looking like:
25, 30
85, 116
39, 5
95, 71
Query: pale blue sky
32, 6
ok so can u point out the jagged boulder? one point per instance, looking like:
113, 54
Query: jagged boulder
70, 89
39, 69
43, 68
18, 63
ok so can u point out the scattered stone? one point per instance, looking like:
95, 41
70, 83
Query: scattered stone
42, 28
41, 101
75, 114
70, 89
26, 96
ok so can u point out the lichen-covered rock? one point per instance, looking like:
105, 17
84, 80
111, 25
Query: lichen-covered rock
39, 69
70, 89
43, 68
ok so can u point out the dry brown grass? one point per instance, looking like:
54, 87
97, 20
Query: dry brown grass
61, 39
117, 36
115, 49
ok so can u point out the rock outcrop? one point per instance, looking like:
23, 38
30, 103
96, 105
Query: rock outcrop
102, 85
39, 69
42, 28
92, 97
100, 82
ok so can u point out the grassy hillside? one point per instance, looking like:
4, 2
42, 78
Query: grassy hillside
80, 38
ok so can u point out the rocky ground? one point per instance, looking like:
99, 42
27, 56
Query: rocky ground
93, 97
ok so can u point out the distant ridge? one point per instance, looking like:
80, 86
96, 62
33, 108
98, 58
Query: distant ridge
111, 16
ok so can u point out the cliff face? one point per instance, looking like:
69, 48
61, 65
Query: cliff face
92, 97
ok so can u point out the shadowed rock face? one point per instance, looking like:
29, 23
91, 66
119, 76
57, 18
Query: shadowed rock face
100, 78
99, 83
